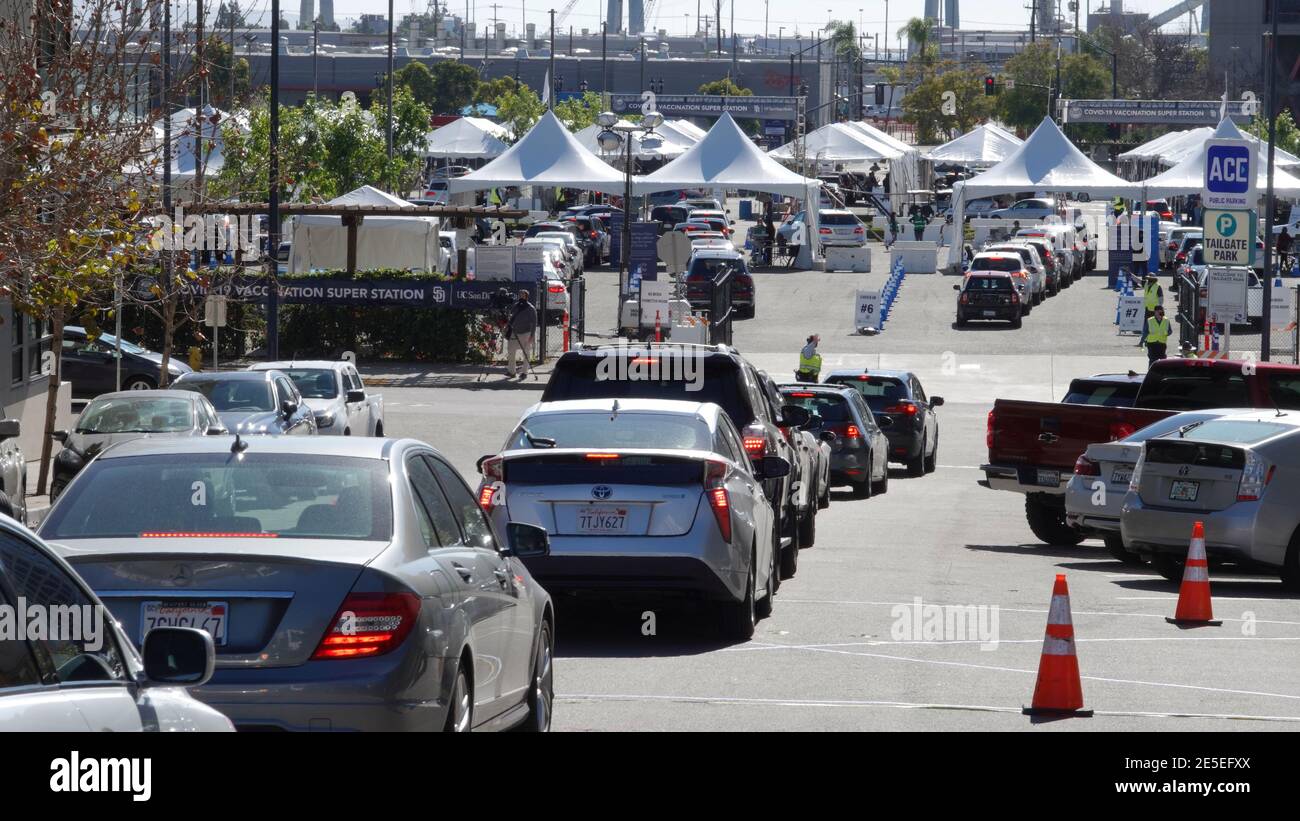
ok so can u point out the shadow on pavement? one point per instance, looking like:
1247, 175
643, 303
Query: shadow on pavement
1039, 549
596, 630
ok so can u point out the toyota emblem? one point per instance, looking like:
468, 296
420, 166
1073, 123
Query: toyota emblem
602, 492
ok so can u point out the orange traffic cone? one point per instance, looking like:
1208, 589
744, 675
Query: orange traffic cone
659, 337
1194, 608
1058, 691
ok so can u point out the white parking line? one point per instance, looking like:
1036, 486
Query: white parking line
1023, 609
752, 646
1217, 600
905, 705
960, 467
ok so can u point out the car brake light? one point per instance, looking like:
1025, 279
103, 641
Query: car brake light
847, 431
645, 360
555, 289
369, 624
858, 230
721, 504
1121, 430
603, 456
823, 230
908, 408
801, 395
1015, 298
1083, 466
755, 445
962, 300
988, 432
485, 494
1255, 476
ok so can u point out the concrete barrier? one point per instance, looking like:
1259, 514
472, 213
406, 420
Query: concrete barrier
917, 257
857, 260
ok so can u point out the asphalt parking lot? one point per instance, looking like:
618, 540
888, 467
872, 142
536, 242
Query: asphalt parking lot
845, 649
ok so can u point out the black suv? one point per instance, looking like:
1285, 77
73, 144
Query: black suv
913, 426
724, 378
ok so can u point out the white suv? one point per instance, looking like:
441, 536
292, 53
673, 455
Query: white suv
841, 228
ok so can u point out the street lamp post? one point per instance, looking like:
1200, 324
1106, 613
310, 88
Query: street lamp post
273, 199
610, 140
389, 107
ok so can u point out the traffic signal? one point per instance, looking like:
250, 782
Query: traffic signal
880, 93
990, 86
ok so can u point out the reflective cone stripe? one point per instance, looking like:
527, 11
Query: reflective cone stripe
1058, 690
1194, 603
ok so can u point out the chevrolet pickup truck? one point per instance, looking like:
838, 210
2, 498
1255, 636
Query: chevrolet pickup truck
1033, 445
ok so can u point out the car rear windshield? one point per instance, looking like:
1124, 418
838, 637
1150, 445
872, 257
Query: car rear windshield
314, 383
710, 267
831, 409
232, 395
838, 219
605, 430
716, 380
132, 415
988, 284
669, 213
1111, 394
1007, 264
1237, 432
1193, 388
197, 495
879, 391
579, 469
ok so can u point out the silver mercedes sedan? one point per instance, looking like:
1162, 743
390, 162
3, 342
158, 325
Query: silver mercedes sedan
348, 583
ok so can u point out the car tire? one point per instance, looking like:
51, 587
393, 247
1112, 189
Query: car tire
824, 497
1291, 565
932, 461
776, 557
764, 607
739, 618
790, 555
1115, 547
1167, 566
916, 465
541, 695
1016, 323
882, 487
379, 431
460, 710
862, 490
56, 488
808, 528
138, 383
1047, 521
961, 320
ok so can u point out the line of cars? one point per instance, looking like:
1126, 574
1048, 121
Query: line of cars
1008, 278
1135, 460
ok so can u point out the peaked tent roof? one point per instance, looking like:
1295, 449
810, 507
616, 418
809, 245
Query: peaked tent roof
1188, 176
468, 138
838, 142
1048, 161
725, 157
986, 144
1155, 149
666, 150
548, 155
1177, 152
881, 136
368, 195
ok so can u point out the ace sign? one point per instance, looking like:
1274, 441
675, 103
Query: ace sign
1230, 170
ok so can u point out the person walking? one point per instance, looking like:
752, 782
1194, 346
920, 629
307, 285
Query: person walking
893, 229
1284, 244
810, 362
769, 238
519, 332
1153, 297
1157, 333
918, 225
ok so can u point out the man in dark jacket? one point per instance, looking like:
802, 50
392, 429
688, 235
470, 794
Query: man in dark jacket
519, 333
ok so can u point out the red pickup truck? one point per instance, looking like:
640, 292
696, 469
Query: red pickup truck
1033, 445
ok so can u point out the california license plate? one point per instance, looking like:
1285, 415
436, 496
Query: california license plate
1049, 478
1121, 476
209, 616
602, 520
990, 313
1182, 491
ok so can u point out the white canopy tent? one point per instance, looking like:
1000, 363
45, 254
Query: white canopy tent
1180, 151
664, 148
682, 132
321, 242
1047, 161
185, 125
986, 144
1188, 176
727, 158
1156, 149
468, 138
549, 156
838, 143
904, 172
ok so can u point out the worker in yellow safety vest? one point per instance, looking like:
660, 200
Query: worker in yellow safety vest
810, 362
1158, 328
1152, 297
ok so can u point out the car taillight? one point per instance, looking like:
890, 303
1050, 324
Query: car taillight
555, 288
1083, 466
721, 504
603, 456
491, 469
755, 445
485, 494
963, 298
858, 230
846, 431
801, 395
369, 624
908, 408
823, 230
988, 432
1015, 298
1255, 476
1121, 430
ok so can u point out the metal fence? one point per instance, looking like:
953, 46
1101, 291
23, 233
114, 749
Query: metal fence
1199, 335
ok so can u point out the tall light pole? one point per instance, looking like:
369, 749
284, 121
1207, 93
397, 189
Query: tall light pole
273, 192
886, 29
550, 71
1270, 65
389, 106
315, 48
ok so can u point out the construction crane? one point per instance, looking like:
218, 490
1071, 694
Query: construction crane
563, 14
1155, 21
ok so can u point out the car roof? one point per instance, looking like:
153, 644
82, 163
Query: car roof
1130, 377
358, 446
705, 410
230, 376
151, 394
885, 372
290, 364
718, 253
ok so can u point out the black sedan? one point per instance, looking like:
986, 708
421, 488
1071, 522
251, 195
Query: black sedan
913, 427
89, 364
125, 415
254, 402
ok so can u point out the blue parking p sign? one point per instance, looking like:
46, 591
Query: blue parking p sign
1230, 170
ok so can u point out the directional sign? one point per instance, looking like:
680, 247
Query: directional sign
1230, 168
867, 311
214, 311
675, 251
1226, 294
1229, 237
1132, 314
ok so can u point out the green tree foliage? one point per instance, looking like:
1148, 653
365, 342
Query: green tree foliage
1033, 70
580, 112
444, 89
218, 56
1288, 134
519, 110
726, 87
491, 91
938, 117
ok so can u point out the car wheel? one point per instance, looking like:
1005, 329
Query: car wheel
1016, 323
961, 320
776, 557
932, 461
541, 696
460, 714
1167, 566
916, 465
808, 528
138, 383
347, 431
1115, 547
764, 607
790, 555
824, 499
739, 618
862, 490
1047, 521
1291, 565
882, 487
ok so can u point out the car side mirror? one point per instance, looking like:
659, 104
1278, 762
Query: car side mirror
217, 431
357, 395
956, 287
58, 435
885, 422
10, 428
526, 541
830, 437
179, 656
936, 401
288, 407
771, 467
794, 416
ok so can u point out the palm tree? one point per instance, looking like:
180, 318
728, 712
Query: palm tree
843, 37
920, 31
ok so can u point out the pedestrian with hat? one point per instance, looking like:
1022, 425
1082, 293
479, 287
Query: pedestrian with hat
1153, 297
1156, 334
